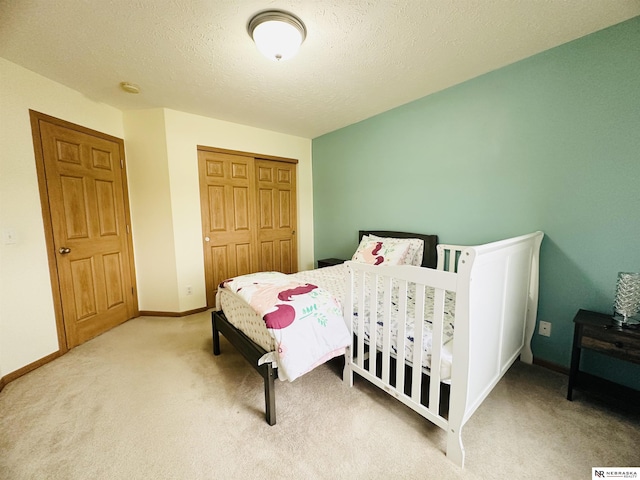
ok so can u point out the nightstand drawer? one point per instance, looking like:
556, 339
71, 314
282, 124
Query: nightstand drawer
611, 342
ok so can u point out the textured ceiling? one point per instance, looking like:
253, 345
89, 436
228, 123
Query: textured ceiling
360, 57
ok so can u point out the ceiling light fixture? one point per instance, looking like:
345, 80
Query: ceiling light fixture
277, 34
129, 87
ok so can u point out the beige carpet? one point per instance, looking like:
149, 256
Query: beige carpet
148, 400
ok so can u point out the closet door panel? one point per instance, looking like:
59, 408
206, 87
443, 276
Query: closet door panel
227, 200
241, 215
265, 208
277, 211
217, 208
267, 259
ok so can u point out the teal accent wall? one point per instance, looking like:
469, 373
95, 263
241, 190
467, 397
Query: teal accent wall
549, 143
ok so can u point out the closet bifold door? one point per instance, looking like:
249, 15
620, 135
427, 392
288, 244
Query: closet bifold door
276, 211
227, 200
249, 214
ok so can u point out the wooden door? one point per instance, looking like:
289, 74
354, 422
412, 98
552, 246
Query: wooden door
86, 199
276, 192
227, 199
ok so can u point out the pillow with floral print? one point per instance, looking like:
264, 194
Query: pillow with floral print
380, 252
414, 253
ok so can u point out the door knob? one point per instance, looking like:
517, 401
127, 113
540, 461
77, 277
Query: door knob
206, 239
64, 250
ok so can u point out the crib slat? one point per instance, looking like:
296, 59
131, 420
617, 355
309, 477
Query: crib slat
402, 335
436, 349
349, 317
418, 330
386, 329
361, 280
448, 256
373, 318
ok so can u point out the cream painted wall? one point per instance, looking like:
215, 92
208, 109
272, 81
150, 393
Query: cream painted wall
27, 321
153, 243
161, 153
184, 133
162, 168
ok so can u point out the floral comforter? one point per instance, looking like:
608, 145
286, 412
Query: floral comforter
305, 321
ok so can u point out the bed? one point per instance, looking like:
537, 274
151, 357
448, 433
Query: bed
487, 294
244, 329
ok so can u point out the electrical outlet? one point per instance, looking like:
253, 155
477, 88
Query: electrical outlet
189, 290
545, 329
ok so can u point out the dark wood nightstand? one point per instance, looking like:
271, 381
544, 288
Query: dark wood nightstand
599, 332
329, 262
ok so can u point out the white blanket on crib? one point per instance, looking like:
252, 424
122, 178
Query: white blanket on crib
305, 321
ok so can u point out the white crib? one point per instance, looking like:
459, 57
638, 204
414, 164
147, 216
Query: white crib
496, 298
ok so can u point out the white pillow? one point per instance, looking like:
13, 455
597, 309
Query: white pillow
414, 253
380, 251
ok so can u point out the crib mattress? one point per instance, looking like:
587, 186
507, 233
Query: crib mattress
333, 279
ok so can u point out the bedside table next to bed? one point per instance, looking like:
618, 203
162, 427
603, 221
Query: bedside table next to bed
598, 332
329, 262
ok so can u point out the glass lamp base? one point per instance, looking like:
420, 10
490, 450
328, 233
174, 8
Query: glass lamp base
623, 321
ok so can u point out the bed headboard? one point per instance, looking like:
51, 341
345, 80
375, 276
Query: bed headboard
429, 257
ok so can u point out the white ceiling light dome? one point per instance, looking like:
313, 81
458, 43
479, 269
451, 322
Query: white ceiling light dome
277, 34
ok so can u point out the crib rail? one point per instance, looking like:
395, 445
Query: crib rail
375, 360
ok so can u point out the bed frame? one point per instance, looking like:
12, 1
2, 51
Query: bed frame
253, 352
496, 287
